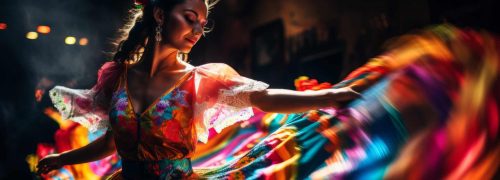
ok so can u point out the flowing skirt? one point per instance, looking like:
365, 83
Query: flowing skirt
429, 110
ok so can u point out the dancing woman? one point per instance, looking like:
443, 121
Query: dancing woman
155, 106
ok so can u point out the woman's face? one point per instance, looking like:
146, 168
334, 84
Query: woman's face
184, 26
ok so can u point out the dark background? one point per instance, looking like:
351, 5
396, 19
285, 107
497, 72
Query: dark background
273, 41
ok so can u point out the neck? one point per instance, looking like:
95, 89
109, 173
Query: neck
164, 59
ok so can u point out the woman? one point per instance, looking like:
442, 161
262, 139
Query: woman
429, 110
156, 106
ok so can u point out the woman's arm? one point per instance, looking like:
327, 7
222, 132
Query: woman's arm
289, 101
98, 149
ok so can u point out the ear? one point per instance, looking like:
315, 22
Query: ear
159, 15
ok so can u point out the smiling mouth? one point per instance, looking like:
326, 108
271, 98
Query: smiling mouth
191, 41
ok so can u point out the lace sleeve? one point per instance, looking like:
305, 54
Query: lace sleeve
88, 107
222, 98
80, 106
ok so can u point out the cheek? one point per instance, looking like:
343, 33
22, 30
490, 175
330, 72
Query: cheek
176, 29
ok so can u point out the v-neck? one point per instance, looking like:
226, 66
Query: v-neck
168, 91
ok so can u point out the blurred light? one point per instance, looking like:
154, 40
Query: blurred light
83, 41
3, 26
32, 160
70, 40
43, 29
32, 35
56, 116
39, 94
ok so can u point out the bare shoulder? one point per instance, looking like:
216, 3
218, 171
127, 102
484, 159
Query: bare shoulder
218, 68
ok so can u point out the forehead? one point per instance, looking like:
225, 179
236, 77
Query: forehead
196, 5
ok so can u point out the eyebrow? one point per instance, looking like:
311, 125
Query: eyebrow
190, 10
193, 11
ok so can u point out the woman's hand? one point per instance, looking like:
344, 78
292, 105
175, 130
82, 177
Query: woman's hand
98, 149
341, 96
49, 163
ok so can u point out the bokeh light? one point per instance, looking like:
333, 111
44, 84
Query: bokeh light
39, 94
83, 41
3, 26
70, 40
43, 29
32, 35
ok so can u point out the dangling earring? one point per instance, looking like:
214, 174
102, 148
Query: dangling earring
158, 33
182, 56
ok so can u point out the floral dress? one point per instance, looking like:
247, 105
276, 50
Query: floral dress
159, 142
428, 112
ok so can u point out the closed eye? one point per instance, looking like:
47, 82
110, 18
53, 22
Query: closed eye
190, 17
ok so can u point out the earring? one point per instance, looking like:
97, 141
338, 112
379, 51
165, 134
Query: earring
158, 33
182, 56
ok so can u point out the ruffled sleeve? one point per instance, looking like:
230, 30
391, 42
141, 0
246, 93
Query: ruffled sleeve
222, 98
80, 105
88, 107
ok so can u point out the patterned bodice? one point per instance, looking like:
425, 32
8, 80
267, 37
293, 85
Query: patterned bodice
163, 131
211, 96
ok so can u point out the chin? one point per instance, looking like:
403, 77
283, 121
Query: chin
185, 50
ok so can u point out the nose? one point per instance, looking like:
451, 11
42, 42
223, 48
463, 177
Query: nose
197, 29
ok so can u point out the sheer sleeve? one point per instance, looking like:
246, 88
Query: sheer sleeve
81, 106
88, 107
222, 98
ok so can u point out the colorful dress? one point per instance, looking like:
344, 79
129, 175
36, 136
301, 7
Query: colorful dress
429, 110
159, 142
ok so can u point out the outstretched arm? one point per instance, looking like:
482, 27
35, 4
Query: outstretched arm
98, 149
289, 101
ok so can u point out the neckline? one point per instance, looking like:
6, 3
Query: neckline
166, 92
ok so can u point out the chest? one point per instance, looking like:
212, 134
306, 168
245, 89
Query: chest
144, 92
168, 118
175, 103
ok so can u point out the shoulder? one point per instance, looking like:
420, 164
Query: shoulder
110, 68
108, 75
218, 68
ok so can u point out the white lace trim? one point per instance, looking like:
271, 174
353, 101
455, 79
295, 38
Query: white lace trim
64, 99
232, 106
57, 99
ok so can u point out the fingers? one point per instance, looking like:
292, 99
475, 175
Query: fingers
347, 94
355, 93
42, 168
47, 164
46, 169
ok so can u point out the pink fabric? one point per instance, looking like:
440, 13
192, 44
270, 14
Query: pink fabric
222, 98
108, 74
88, 106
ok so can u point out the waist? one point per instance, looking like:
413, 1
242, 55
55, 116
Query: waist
161, 169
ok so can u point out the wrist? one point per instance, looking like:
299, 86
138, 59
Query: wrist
62, 159
331, 98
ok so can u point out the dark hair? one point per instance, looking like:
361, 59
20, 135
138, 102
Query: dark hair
132, 44
140, 28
